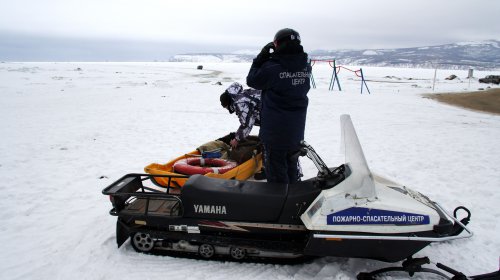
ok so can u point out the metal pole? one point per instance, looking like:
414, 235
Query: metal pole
332, 80
363, 82
312, 62
470, 75
335, 77
434, 81
362, 79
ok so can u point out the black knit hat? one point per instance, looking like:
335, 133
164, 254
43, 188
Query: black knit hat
226, 102
225, 99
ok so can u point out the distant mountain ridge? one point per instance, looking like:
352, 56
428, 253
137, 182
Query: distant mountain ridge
478, 55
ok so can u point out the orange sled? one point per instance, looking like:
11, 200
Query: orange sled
242, 171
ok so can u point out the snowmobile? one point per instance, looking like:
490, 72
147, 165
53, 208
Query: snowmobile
345, 211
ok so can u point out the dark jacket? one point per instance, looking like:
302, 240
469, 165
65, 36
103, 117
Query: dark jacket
284, 80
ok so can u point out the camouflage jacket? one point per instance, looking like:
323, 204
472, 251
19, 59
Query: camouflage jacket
246, 103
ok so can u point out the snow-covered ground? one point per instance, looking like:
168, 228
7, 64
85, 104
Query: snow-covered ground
67, 130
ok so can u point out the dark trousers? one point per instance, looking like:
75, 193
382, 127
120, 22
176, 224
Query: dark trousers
282, 166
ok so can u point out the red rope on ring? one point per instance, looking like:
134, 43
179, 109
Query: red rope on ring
348, 69
323, 60
337, 70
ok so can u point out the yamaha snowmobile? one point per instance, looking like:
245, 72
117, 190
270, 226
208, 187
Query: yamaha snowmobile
345, 211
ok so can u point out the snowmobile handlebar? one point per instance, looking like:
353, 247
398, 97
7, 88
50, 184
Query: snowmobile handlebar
326, 177
307, 150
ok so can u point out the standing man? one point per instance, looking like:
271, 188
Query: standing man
246, 104
282, 71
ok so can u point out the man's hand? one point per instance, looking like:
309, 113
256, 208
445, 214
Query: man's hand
264, 54
266, 50
234, 143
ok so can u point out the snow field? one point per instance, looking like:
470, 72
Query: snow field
70, 129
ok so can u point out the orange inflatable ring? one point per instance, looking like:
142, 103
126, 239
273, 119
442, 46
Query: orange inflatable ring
198, 165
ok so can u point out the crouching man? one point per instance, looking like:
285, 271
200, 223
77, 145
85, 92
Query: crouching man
246, 104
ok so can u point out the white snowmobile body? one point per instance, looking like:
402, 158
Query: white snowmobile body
367, 203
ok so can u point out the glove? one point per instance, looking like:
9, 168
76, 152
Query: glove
234, 143
227, 139
264, 54
266, 50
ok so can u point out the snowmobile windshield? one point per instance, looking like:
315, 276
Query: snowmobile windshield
354, 157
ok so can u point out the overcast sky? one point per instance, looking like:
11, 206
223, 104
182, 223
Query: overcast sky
240, 24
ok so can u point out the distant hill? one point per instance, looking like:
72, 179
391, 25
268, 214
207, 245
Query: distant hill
478, 55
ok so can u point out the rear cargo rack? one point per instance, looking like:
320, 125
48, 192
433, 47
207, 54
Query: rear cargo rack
130, 196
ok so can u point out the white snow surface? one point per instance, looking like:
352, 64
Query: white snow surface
68, 130
370, 52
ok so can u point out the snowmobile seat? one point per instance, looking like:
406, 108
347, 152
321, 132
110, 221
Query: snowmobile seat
206, 198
